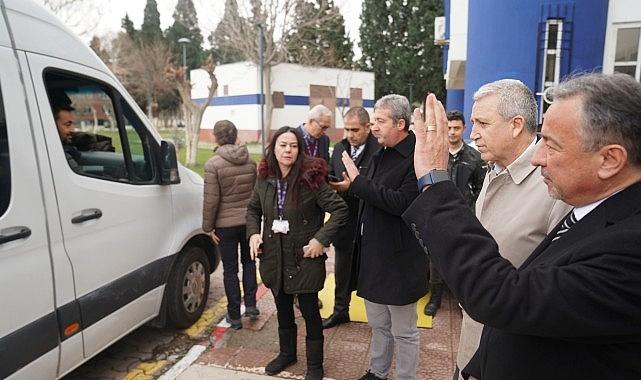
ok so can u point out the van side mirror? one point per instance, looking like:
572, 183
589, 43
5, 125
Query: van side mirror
168, 164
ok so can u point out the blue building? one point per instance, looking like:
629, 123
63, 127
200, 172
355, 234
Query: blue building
536, 41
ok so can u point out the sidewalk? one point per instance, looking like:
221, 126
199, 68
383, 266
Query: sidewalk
242, 354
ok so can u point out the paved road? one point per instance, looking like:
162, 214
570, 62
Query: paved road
148, 352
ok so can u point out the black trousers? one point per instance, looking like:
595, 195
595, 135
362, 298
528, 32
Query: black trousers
342, 273
230, 239
308, 303
435, 277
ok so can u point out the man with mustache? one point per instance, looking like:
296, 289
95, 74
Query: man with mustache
513, 204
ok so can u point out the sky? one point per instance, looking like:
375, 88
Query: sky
100, 19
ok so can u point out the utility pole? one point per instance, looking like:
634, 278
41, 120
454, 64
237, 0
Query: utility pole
261, 68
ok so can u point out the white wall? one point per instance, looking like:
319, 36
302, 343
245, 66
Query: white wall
295, 80
292, 80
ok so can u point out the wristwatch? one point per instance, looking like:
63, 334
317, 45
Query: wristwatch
432, 177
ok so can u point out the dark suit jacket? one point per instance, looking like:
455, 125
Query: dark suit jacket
323, 145
389, 265
345, 238
571, 311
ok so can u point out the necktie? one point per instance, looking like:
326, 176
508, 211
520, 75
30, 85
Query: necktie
354, 151
567, 224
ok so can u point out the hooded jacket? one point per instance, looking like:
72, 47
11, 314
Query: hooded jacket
229, 180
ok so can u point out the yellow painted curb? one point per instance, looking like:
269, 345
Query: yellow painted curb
209, 316
145, 371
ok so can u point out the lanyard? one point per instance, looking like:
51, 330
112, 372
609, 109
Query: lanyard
311, 146
281, 191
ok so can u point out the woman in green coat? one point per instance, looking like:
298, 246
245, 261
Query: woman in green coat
291, 196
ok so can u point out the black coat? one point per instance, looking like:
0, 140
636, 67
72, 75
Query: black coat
323, 145
389, 266
345, 237
282, 264
571, 311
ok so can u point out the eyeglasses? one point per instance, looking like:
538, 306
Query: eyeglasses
323, 127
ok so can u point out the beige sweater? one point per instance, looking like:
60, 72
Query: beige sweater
229, 181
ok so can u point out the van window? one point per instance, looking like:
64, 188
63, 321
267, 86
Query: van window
100, 134
5, 169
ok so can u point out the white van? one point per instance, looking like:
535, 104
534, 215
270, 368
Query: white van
95, 240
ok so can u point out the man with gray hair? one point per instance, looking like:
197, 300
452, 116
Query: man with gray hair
388, 268
319, 120
513, 204
571, 310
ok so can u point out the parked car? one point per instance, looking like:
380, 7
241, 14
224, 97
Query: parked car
94, 248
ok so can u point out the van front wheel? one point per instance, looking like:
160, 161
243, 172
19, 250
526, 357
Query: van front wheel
188, 287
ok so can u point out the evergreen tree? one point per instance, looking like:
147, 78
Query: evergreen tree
150, 30
186, 26
397, 44
318, 37
128, 27
223, 48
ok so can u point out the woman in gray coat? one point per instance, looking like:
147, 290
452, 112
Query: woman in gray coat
292, 197
229, 180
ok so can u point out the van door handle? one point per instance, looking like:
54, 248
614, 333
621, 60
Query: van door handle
14, 233
88, 214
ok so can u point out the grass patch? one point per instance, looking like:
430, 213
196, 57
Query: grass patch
205, 150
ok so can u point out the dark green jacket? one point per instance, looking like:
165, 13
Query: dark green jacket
282, 262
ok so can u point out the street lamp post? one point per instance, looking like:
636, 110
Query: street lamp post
184, 41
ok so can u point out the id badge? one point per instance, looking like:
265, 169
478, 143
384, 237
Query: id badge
280, 226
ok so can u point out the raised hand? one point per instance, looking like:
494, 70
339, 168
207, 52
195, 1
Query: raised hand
432, 149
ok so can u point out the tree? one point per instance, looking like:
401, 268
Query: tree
82, 16
145, 59
150, 29
276, 19
186, 26
222, 48
192, 112
96, 45
141, 67
397, 44
128, 26
319, 43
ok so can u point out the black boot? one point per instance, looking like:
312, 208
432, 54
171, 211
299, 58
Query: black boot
435, 299
314, 350
287, 355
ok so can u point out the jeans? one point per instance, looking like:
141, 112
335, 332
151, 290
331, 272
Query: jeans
230, 239
308, 303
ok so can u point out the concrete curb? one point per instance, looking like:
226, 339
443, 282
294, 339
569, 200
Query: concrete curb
216, 338
184, 363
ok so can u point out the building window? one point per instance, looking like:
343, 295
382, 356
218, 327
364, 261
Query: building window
226, 90
551, 60
124, 152
355, 97
278, 99
325, 95
626, 56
